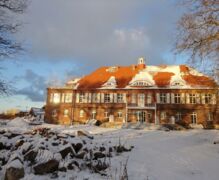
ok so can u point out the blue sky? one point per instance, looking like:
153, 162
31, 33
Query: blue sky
66, 39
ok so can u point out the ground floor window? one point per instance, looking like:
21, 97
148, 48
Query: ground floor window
194, 118
120, 114
66, 112
210, 116
178, 116
163, 115
54, 113
81, 114
106, 114
93, 114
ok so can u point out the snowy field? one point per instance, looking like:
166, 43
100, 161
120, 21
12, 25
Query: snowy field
157, 155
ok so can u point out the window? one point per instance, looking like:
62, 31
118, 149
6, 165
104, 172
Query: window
163, 115
208, 98
93, 115
210, 116
120, 114
149, 116
194, 118
192, 98
149, 99
66, 112
56, 98
54, 113
106, 114
107, 98
177, 98
119, 98
140, 83
94, 97
163, 98
178, 116
67, 97
81, 113
81, 97
133, 98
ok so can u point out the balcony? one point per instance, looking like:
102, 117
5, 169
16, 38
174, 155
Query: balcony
141, 106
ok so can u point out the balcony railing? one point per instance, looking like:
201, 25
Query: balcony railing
141, 106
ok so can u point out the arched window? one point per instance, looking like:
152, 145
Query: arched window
141, 83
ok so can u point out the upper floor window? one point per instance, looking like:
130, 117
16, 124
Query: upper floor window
149, 98
67, 97
177, 98
56, 98
81, 97
208, 98
95, 97
119, 98
107, 98
134, 98
192, 98
163, 98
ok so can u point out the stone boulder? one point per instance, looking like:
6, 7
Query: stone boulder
47, 167
14, 170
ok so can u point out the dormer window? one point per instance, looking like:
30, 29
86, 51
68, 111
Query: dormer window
141, 83
111, 83
177, 83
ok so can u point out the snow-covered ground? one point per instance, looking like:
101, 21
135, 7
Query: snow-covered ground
157, 155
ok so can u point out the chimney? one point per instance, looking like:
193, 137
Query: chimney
141, 63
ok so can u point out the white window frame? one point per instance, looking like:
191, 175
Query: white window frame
163, 98
56, 98
178, 116
163, 115
67, 97
107, 98
192, 99
120, 114
177, 98
194, 118
106, 114
65, 112
208, 98
82, 97
81, 113
210, 116
134, 98
119, 98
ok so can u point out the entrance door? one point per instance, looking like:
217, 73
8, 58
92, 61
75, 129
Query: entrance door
141, 116
141, 100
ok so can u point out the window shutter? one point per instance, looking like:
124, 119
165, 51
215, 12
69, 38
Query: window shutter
183, 98
115, 97
77, 97
198, 98
214, 100
203, 98
86, 98
124, 97
172, 98
187, 98
158, 97
102, 97
168, 98
111, 97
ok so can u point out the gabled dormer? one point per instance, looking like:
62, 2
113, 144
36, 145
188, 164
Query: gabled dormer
111, 83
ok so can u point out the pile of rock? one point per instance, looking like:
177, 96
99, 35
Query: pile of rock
43, 151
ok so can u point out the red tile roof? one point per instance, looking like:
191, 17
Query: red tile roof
124, 74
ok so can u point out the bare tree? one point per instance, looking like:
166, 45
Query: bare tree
198, 32
8, 27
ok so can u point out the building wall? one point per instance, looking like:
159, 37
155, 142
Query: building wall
75, 107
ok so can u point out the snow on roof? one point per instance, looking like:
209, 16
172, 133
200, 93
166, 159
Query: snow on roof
155, 76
